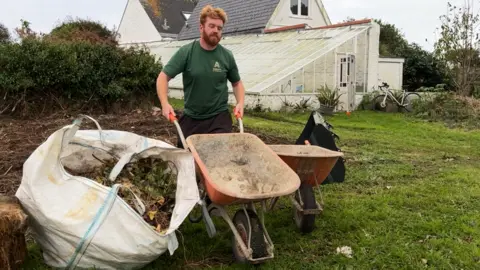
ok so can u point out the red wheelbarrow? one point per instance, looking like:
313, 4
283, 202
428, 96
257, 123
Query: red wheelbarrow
312, 164
239, 169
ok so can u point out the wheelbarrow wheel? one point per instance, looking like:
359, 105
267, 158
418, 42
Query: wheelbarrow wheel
305, 222
195, 219
258, 245
198, 208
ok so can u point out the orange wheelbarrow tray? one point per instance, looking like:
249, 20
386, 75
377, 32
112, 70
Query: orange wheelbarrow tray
312, 164
239, 169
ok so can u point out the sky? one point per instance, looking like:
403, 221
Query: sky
416, 19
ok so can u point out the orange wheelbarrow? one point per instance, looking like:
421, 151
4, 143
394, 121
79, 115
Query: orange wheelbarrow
239, 169
312, 164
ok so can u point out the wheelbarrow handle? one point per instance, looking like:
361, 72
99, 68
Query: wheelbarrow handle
239, 119
174, 120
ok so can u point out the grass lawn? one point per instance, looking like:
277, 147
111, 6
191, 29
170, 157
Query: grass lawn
411, 200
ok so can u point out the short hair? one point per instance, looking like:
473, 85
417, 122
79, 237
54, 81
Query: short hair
213, 13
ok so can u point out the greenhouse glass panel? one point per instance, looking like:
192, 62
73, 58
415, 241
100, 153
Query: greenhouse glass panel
294, 61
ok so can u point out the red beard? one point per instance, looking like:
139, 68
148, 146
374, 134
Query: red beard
211, 40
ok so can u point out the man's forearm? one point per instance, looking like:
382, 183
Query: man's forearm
239, 92
162, 88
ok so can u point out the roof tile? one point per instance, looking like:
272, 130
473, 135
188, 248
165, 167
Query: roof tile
242, 16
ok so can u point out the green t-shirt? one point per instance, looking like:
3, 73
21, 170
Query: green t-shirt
205, 75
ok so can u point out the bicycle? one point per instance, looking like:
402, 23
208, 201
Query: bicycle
405, 100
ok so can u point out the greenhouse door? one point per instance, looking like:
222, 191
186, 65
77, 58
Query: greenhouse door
346, 80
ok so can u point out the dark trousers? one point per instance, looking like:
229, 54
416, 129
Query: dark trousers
220, 123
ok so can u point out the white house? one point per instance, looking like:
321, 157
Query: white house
390, 70
146, 21
285, 54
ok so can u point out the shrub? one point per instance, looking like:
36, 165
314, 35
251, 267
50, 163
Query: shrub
329, 97
35, 70
437, 88
83, 30
4, 34
367, 100
454, 110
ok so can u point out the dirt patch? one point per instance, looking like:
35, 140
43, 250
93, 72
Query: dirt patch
20, 137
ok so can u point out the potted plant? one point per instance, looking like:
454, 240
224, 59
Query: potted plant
328, 99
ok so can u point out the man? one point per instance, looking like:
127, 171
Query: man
207, 67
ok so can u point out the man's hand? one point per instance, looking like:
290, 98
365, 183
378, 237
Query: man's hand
239, 92
167, 109
162, 86
238, 110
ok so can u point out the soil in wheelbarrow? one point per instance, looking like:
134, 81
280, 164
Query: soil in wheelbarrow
243, 166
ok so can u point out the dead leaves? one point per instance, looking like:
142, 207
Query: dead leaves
152, 180
151, 214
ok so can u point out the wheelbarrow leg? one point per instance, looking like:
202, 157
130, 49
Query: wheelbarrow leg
204, 204
205, 216
203, 196
272, 204
211, 230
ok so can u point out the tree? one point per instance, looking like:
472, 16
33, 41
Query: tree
392, 41
25, 32
421, 68
458, 46
4, 34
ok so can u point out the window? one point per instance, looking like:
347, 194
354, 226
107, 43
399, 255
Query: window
347, 71
303, 4
186, 15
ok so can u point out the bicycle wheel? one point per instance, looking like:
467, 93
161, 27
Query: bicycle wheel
379, 105
408, 101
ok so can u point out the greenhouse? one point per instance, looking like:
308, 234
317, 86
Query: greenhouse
288, 66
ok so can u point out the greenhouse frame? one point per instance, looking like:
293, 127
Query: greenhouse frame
285, 54
289, 66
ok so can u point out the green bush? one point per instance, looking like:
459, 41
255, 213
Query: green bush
4, 34
83, 30
452, 109
367, 100
437, 88
76, 71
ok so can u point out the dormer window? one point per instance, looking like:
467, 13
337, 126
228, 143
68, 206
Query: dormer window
186, 15
302, 11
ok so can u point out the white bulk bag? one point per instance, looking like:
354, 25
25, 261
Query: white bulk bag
80, 223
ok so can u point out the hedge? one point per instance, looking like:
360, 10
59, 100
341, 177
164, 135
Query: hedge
80, 29
75, 70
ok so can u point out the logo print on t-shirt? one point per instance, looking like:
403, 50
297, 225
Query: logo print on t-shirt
216, 67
